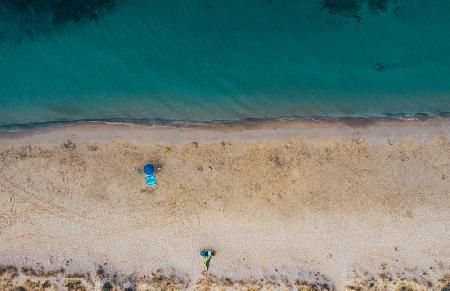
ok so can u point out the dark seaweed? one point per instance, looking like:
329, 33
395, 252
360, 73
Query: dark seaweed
352, 8
61, 11
22, 19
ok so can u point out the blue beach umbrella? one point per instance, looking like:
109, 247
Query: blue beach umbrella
149, 169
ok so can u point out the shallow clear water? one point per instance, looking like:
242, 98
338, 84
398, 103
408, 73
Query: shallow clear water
222, 60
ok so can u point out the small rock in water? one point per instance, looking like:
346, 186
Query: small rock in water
379, 67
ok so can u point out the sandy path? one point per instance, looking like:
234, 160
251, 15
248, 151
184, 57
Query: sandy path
292, 199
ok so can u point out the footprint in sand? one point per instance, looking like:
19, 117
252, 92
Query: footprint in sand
4, 222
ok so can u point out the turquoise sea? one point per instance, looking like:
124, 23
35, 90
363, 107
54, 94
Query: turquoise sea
222, 60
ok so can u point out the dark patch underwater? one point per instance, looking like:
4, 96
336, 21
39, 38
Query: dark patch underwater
33, 18
352, 8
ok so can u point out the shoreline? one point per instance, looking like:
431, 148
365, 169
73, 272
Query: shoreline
280, 199
351, 120
247, 130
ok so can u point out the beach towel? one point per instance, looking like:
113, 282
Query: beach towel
151, 180
207, 255
206, 264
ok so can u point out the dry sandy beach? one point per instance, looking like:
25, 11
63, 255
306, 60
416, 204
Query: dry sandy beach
334, 205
